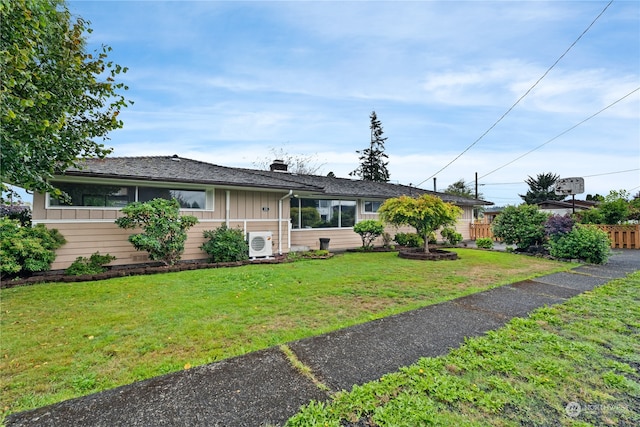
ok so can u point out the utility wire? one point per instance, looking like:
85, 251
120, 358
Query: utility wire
584, 176
612, 173
522, 97
562, 133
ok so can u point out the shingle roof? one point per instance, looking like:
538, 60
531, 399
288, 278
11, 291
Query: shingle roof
179, 169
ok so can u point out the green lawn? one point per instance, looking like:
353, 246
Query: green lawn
63, 340
575, 364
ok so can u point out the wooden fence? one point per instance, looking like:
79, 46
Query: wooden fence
621, 236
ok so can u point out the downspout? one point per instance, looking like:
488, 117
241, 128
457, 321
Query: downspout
286, 196
227, 208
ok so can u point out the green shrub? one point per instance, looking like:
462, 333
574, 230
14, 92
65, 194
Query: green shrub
93, 265
369, 230
27, 249
484, 243
300, 255
164, 229
411, 240
225, 244
451, 236
584, 242
522, 226
590, 216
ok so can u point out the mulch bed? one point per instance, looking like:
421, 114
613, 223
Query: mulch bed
432, 255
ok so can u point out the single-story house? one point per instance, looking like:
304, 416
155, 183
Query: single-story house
564, 207
296, 210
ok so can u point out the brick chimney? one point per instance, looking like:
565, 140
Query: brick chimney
278, 166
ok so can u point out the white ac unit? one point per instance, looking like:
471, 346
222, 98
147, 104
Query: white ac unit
260, 244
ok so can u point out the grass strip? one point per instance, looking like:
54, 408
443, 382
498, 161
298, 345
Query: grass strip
575, 364
303, 369
64, 340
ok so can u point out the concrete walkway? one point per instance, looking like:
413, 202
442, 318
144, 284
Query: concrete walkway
262, 388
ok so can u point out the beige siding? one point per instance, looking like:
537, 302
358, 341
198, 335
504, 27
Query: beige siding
90, 230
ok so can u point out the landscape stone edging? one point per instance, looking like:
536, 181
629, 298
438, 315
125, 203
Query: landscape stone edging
125, 271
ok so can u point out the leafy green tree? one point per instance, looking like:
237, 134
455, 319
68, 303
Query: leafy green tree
164, 229
369, 230
634, 208
425, 213
55, 97
615, 208
541, 188
373, 166
522, 226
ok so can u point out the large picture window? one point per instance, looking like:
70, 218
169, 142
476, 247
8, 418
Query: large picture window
322, 213
116, 196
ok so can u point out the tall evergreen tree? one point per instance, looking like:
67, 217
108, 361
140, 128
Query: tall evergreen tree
541, 188
373, 166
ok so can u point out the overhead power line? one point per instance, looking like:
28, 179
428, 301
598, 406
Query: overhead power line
562, 133
521, 98
584, 176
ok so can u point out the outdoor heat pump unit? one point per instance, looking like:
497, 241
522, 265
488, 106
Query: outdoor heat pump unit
260, 244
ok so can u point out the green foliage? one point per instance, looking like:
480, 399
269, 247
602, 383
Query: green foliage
615, 208
93, 265
522, 226
297, 256
310, 216
410, 240
225, 244
541, 188
590, 216
583, 242
372, 160
369, 230
451, 236
484, 243
27, 249
164, 229
57, 99
425, 213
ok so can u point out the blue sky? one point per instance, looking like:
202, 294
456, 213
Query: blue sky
230, 82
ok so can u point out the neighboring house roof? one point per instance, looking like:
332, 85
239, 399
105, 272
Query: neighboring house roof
566, 204
179, 169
